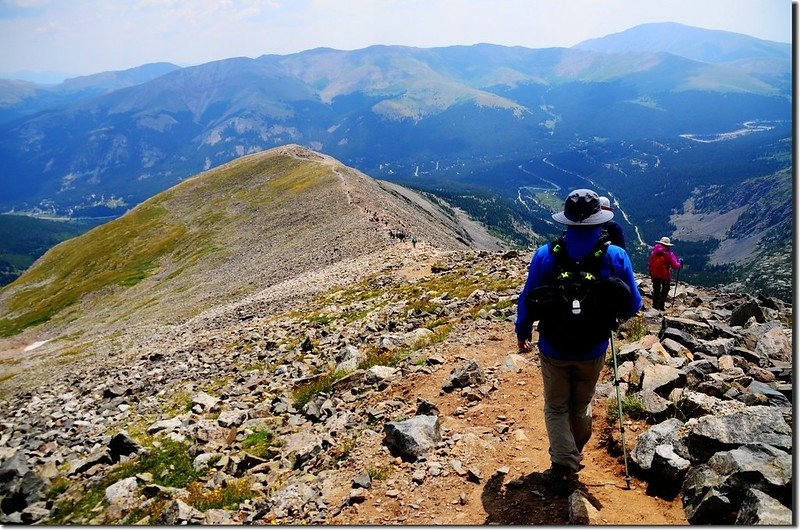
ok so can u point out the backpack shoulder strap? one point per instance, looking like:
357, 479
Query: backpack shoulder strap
558, 251
591, 261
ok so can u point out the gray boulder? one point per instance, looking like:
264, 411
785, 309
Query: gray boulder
380, 375
351, 382
581, 511
675, 348
711, 434
513, 363
668, 464
293, 500
717, 347
168, 425
654, 405
123, 445
712, 493
34, 513
698, 371
219, 517
22, 491
123, 493
775, 345
362, 481
661, 378
746, 311
759, 508
178, 513
414, 437
693, 328
349, 358
697, 404
205, 401
665, 432
12, 470
98, 457
774, 397
232, 418
467, 375
679, 337
301, 447
393, 342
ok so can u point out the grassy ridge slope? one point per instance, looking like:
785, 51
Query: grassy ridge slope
213, 239
161, 240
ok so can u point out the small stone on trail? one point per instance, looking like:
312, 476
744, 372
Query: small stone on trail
474, 475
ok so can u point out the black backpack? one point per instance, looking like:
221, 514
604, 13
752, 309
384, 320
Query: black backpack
576, 308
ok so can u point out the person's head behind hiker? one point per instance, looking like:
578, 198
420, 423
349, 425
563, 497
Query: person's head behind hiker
612, 231
577, 287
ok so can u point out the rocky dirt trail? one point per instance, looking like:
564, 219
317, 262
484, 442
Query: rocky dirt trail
504, 432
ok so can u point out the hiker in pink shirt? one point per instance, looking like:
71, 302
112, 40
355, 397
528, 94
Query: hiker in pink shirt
662, 261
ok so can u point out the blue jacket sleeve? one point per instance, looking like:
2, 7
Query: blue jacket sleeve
539, 263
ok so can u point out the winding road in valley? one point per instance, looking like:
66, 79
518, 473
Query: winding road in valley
593, 185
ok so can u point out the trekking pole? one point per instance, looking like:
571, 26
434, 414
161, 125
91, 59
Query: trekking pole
675, 292
677, 281
619, 410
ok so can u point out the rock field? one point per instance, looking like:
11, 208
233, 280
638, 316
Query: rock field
387, 390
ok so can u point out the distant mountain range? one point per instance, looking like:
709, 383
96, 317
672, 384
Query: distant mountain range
697, 44
22, 98
500, 131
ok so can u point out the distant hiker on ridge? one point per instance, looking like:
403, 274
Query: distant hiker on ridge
612, 228
577, 287
662, 261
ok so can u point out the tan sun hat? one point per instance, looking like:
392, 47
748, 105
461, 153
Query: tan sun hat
665, 241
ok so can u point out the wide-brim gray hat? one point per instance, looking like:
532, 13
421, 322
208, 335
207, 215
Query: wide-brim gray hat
582, 208
665, 241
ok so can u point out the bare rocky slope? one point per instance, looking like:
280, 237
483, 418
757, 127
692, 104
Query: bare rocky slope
216, 238
398, 397
376, 384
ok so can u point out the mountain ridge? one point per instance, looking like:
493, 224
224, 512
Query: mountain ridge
141, 138
19, 99
229, 232
706, 45
499, 131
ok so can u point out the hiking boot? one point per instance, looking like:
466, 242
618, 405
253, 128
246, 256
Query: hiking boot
558, 479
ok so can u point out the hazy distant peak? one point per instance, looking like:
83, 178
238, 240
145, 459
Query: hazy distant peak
699, 44
120, 78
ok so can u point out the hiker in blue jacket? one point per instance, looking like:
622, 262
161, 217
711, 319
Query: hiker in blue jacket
570, 376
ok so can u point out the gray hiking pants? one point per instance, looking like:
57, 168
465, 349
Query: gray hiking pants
568, 391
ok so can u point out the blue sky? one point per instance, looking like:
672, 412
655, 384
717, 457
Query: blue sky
79, 37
